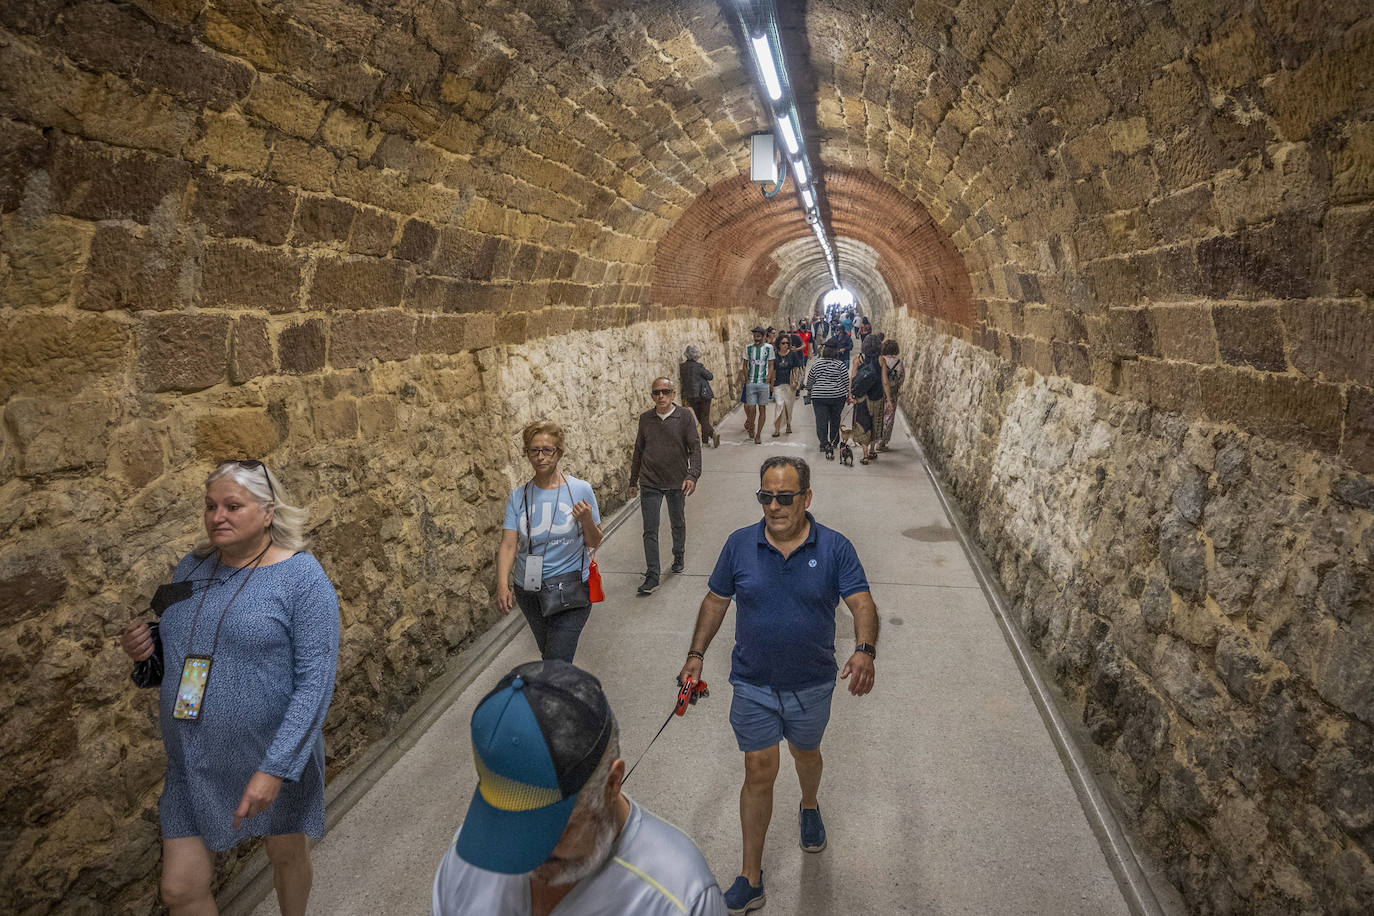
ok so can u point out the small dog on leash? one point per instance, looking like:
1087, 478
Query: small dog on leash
846, 454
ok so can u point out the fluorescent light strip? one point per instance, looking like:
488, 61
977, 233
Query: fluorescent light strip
763, 53
789, 135
808, 198
799, 170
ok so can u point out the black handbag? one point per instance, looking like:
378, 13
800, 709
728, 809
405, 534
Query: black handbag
563, 593
148, 673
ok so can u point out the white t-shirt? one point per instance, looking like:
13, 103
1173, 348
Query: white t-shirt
655, 870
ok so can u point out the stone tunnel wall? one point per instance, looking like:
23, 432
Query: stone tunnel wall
363, 243
1202, 595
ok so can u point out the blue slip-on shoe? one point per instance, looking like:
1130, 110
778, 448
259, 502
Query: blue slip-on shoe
812, 829
743, 896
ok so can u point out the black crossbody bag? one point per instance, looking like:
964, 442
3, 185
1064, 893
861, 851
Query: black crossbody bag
566, 592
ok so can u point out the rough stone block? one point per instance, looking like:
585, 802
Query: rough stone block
243, 208
1129, 333
136, 455
1167, 385
1278, 260
376, 417
285, 107
438, 294
334, 420
463, 253
182, 352
230, 142
1328, 84
417, 241
96, 183
1331, 340
442, 334
301, 348
302, 165
373, 232
44, 261
60, 435
1352, 164
1071, 361
30, 584
322, 220
125, 271
356, 339
1281, 407
1357, 442
1349, 240
234, 275
1345, 673
1187, 214
23, 150
57, 355
364, 283
250, 352
224, 434
1250, 335
510, 328
481, 331
113, 37
1184, 332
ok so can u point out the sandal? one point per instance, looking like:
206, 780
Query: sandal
863, 461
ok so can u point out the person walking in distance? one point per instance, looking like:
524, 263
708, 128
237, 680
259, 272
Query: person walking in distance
786, 574
667, 457
758, 384
696, 392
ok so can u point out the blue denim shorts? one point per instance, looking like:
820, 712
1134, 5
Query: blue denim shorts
756, 393
762, 716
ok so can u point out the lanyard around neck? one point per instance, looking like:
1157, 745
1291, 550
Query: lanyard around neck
252, 568
529, 525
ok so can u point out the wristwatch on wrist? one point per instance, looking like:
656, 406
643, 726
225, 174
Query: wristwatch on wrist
866, 649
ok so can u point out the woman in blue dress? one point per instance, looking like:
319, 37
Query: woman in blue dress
552, 522
249, 660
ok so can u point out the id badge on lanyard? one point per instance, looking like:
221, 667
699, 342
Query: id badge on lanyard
195, 673
534, 573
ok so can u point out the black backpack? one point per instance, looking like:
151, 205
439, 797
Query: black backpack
868, 382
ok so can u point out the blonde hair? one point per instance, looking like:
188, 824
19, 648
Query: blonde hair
288, 522
546, 427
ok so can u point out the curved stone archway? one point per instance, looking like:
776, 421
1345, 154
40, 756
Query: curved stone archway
1126, 247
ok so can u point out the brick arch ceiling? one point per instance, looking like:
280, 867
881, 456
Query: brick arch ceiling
804, 278
719, 253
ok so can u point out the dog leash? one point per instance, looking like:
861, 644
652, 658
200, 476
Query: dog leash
692, 690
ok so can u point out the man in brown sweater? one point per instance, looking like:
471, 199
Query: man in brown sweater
666, 464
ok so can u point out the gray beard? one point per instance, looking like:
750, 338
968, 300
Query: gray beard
574, 870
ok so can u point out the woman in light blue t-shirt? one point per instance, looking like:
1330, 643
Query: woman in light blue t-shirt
551, 523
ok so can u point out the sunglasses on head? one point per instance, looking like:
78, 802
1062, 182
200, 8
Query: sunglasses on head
657, 392
784, 499
252, 465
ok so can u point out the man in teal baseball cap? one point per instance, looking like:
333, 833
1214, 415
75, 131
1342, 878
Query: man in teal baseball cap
548, 825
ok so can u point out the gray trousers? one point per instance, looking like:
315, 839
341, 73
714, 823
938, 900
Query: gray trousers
650, 501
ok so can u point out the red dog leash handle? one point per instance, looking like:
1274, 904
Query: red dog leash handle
692, 690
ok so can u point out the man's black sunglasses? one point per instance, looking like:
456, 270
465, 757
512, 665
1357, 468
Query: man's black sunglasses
252, 465
784, 499
658, 391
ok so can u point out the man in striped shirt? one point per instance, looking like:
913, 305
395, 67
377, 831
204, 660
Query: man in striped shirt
758, 384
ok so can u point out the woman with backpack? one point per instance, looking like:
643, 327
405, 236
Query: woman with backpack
869, 390
895, 372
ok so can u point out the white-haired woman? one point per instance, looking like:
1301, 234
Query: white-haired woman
695, 382
250, 641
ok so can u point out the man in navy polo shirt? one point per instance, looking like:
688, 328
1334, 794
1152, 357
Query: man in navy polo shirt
786, 574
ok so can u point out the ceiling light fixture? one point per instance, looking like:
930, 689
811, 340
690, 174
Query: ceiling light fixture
763, 53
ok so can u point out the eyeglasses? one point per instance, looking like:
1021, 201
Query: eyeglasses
784, 499
542, 452
661, 392
252, 465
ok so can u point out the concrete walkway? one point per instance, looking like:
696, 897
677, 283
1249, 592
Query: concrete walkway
943, 793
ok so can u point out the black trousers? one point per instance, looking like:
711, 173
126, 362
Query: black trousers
650, 502
828, 412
